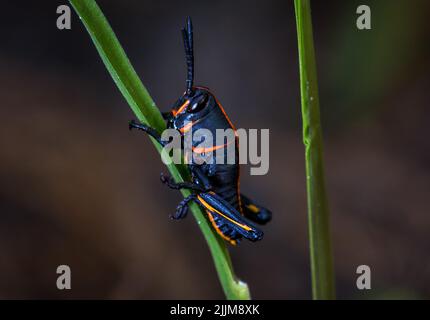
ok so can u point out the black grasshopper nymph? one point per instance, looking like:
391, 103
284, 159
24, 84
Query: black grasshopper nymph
215, 186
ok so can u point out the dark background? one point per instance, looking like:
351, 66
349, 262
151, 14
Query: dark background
77, 188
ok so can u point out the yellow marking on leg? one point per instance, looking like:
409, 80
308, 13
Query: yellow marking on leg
253, 208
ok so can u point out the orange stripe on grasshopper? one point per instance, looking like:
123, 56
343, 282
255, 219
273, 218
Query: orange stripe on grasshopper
210, 208
181, 108
209, 149
211, 218
188, 126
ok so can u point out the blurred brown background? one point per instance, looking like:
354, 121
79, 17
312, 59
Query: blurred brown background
77, 188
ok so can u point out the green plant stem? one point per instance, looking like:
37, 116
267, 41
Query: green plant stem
318, 212
144, 108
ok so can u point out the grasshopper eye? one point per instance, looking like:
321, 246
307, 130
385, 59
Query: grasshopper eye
198, 104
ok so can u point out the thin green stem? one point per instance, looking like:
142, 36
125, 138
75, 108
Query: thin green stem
144, 108
318, 212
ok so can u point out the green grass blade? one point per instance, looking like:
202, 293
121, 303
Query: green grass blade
144, 108
318, 212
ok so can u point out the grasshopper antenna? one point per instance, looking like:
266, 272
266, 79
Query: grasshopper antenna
187, 35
